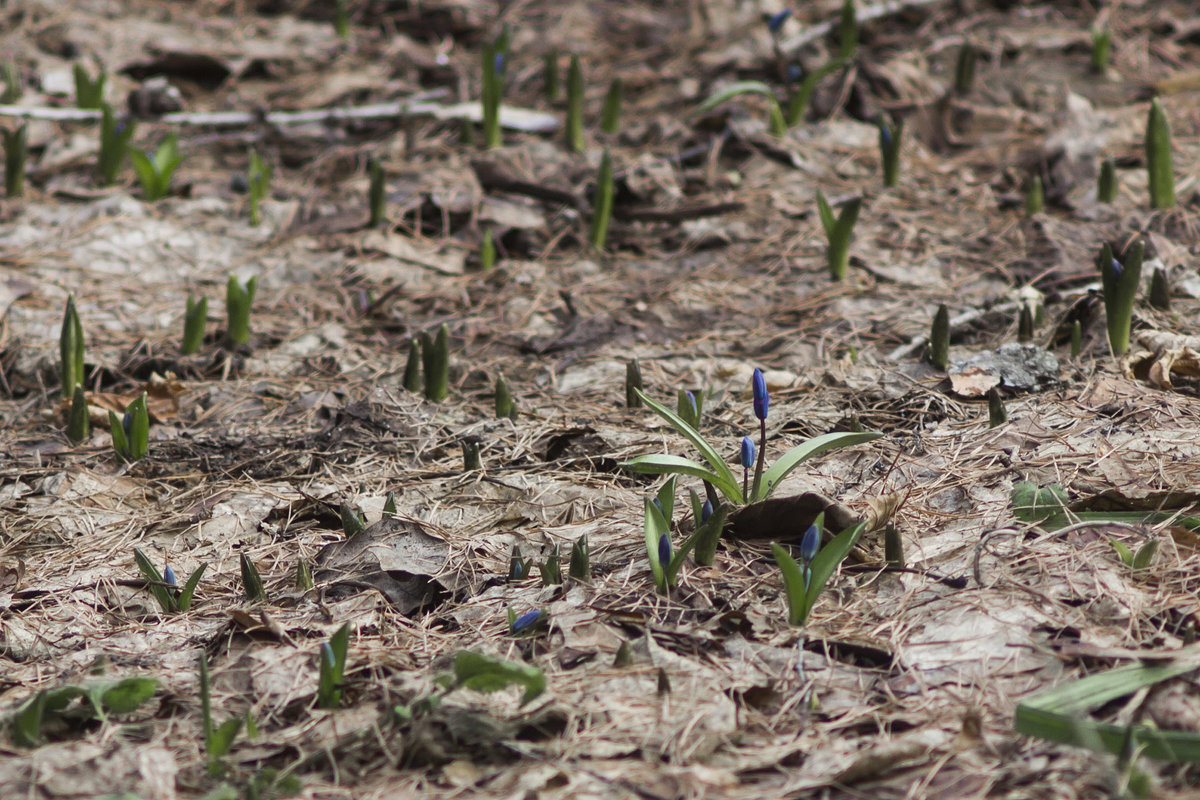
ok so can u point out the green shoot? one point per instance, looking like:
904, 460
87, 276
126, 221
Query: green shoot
939, 338
804, 585
333, 668
412, 367
964, 69
848, 31
154, 172
193, 325
1025, 324
70, 348
259, 180
1106, 186
580, 565
1034, 196
487, 252
551, 570
472, 459
610, 121
603, 202
707, 534
890, 137
550, 75
574, 125
252, 585
435, 355
12, 83
1076, 339
996, 414
1120, 283
341, 19
518, 566
238, 300
505, 407
389, 505
170, 597
1101, 44
633, 384
493, 92
353, 520
838, 231
131, 433
218, 741
304, 580
485, 674
1160, 289
78, 424
893, 546
624, 655
114, 145
799, 100
776, 123
1158, 158
16, 152
1139, 560
89, 94
376, 194
718, 473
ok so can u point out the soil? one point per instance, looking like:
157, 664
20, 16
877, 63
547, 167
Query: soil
904, 682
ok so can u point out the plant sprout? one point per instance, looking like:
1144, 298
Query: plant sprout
114, 145
376, 194
804, 585
252, 584
1120, 283
964, 68
131, 433
154, 172
11, 79
1158, 158
238, 300
838, 231
603, 203
633, 383
610, 120
412, 367
848, 31
493, 92
487, 252
890, 137
78, 423
16, 152
580, 567
1034, 196
1106, 185
997, 416
193, 325
89, 94
70, 347
939, 338
574, 124
435, 357
1160, 289
505, 407
799, 100
333, 668
171, 598
258, 180
1101, 44
341, 19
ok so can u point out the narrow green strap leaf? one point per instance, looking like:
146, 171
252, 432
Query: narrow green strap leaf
801, 453
654, 526
827, 560
727, 483
793, 584
733, 90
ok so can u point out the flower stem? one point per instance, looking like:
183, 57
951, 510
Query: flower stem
758, 464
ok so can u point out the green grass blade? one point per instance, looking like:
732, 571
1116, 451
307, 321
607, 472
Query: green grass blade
793, 584
827, 560
189, 588
654, 527
666, 464
733, 90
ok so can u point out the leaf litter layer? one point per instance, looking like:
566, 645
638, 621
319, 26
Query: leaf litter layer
904, 683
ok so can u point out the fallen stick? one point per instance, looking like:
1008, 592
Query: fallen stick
867, 14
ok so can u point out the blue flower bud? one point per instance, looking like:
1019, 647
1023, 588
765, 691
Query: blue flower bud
691, 400
526, 620
499, 62
1118, 268
659, 506
327, 657
169, 576
126, 424
793, 73
706, 511
810, 544
885, 134
762, 400
664, 550
777, 19
807, 577
747, 452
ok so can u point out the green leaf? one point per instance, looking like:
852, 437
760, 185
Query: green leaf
655, 526
139, 428
726, 482
158, 588
1124, 552
1144, 554
828, 221
27, 722
733, 90
189, 588
678, 465
481, 673
793, 584
223, 737
708, 534
801, 453
252, 581
329, 690
121, 696
832, 554
1031, 504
